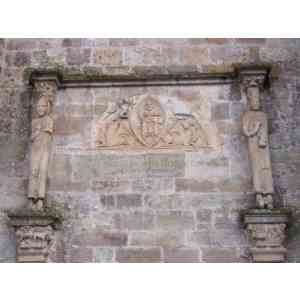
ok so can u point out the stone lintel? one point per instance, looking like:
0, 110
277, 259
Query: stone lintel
144, 76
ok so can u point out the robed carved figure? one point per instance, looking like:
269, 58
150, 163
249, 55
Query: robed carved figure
255, 127
42, 129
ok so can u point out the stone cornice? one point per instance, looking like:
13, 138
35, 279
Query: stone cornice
266, 216
28, 217
146, 76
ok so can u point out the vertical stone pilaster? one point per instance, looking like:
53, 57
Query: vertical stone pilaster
36, 224
36, 235
265, 226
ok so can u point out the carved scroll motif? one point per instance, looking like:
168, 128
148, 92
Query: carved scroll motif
152, 122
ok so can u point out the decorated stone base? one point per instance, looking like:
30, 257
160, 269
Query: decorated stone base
266, 232
35, 233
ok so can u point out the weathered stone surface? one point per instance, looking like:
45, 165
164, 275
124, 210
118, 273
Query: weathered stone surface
249, 41
104, 255
204, 216
195, 56
220, 111
157, 201
192, 185
7, 247
125, 201
219, 255
153, 185
219, 55
206, 167
218, 41
136, 220
138, 255
142, 56
18, 59
167, 239
173, 187
201, 238
165, 165
175, 220
181, 255
99, 237
270, 54
77, 42
78, 57
109, 56
108, 201
81, 255
124, 42
110, 186
21, 44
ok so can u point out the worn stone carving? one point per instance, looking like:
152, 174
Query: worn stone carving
153, 122
266, 232
266, 235
36, 233
255, 127
33, 243
267, 242
41, 136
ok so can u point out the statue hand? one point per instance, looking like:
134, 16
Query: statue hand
249, 129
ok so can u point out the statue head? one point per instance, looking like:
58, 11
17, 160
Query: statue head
124, 107
253, 97
43, 106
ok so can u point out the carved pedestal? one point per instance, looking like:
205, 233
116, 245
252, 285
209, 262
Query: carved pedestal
36, 235
266, 232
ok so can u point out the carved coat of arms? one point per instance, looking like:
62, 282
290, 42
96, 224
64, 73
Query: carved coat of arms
151, 122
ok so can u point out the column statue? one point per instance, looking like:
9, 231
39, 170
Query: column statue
255, 127
41, 137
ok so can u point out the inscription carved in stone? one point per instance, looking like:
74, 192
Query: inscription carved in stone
153, 122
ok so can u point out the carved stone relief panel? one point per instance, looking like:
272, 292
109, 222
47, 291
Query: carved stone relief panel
154, 122
33, 243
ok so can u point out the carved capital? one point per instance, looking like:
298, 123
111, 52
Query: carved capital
266, 232
34, 243
253, 77
46, 89
35, 234
266, 235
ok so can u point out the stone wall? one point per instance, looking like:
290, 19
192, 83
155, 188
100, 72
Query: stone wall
160, 206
